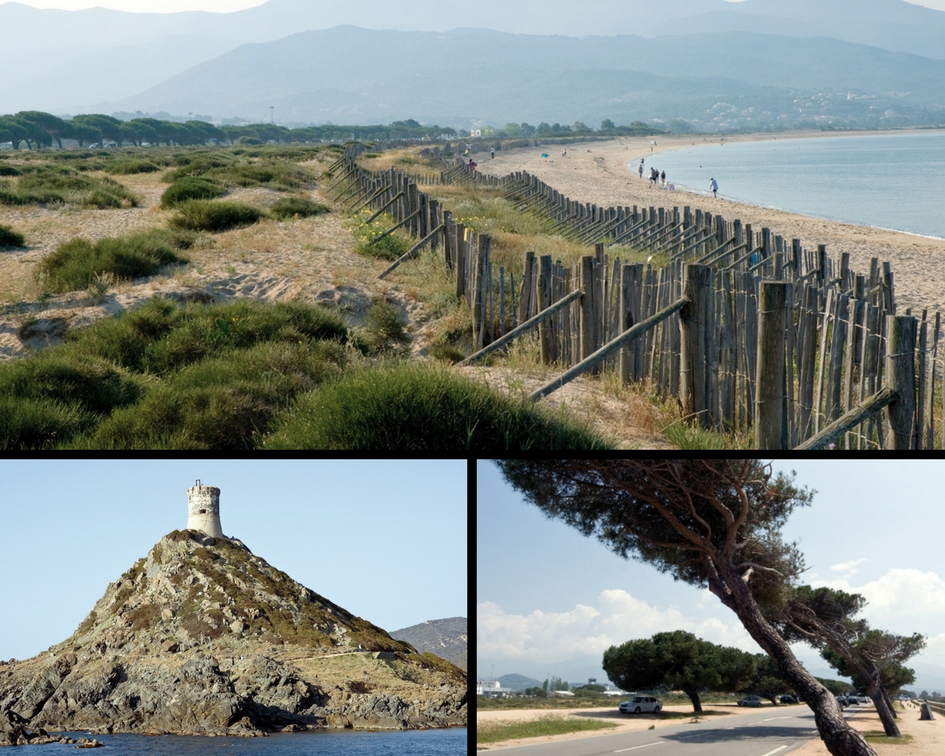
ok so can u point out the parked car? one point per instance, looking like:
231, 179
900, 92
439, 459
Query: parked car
859, 698
788, 700
640, 704
750, 701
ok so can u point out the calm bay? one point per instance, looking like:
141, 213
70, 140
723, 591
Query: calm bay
451, 742
894, 181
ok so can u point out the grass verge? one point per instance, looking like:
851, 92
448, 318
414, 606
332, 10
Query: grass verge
547, 725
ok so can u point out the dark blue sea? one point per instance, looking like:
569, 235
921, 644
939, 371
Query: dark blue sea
451, 742
894, 181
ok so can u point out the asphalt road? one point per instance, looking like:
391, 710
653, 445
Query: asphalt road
764, 733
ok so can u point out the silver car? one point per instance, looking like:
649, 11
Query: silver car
640, 704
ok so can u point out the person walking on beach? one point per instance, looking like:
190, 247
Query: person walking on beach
663, 178
641, 170
714, 186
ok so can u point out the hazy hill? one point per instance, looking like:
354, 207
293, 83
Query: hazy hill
447, 638
518, 682
438, 62
888, 24
202, 636
348, 74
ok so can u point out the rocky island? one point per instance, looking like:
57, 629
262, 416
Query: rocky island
203, 637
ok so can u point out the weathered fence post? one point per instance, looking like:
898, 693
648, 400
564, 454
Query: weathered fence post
774, 301
695, 330
588, 307
900, 377
545, 330
481, 265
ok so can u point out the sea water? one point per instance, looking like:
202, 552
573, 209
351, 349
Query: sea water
894, 181
450, 742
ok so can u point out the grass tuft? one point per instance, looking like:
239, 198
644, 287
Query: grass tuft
209, 215
78, 263
295, 207
191, 188
11, 238
406, 406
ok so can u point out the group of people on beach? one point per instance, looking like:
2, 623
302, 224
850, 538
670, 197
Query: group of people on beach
659, 179
656, 178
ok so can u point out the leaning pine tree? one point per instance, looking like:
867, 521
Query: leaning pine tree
713, 523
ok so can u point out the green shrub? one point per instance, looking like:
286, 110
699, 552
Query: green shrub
412, 407
75, 264
191, 188
159, 337
11, 238
368, 235
296, 207
225, 403
49, 184
275, 174
94, 384
209, 215
386, 330
76, 188
38, 423
127, 167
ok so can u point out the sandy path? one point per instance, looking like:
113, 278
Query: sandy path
597, 172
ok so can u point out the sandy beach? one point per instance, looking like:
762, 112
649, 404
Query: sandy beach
597, 172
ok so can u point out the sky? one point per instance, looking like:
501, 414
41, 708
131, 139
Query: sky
386, 540
550, 601
226, 6
148, 6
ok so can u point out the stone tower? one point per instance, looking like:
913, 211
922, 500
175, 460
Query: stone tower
203, 510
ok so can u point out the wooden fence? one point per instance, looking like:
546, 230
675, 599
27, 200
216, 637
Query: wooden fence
749, 330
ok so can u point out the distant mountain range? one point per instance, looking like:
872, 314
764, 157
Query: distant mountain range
715, 65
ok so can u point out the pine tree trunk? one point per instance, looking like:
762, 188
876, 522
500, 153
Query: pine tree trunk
885, 713
696, 702
889, 703
839, 738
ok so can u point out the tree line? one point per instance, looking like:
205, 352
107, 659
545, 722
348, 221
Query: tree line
716, 523
38, 130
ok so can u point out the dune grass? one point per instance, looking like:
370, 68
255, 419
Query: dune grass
41, 184
77, 263
406, 406
190, 188
296, 207
214, 215
169, 377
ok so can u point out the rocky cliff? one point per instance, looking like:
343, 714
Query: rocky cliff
202, 636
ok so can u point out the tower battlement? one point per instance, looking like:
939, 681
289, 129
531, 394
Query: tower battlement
203, 510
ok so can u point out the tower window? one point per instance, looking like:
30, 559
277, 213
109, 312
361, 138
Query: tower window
203, 511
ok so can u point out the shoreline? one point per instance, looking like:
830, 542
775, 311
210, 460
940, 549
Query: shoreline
597, 172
